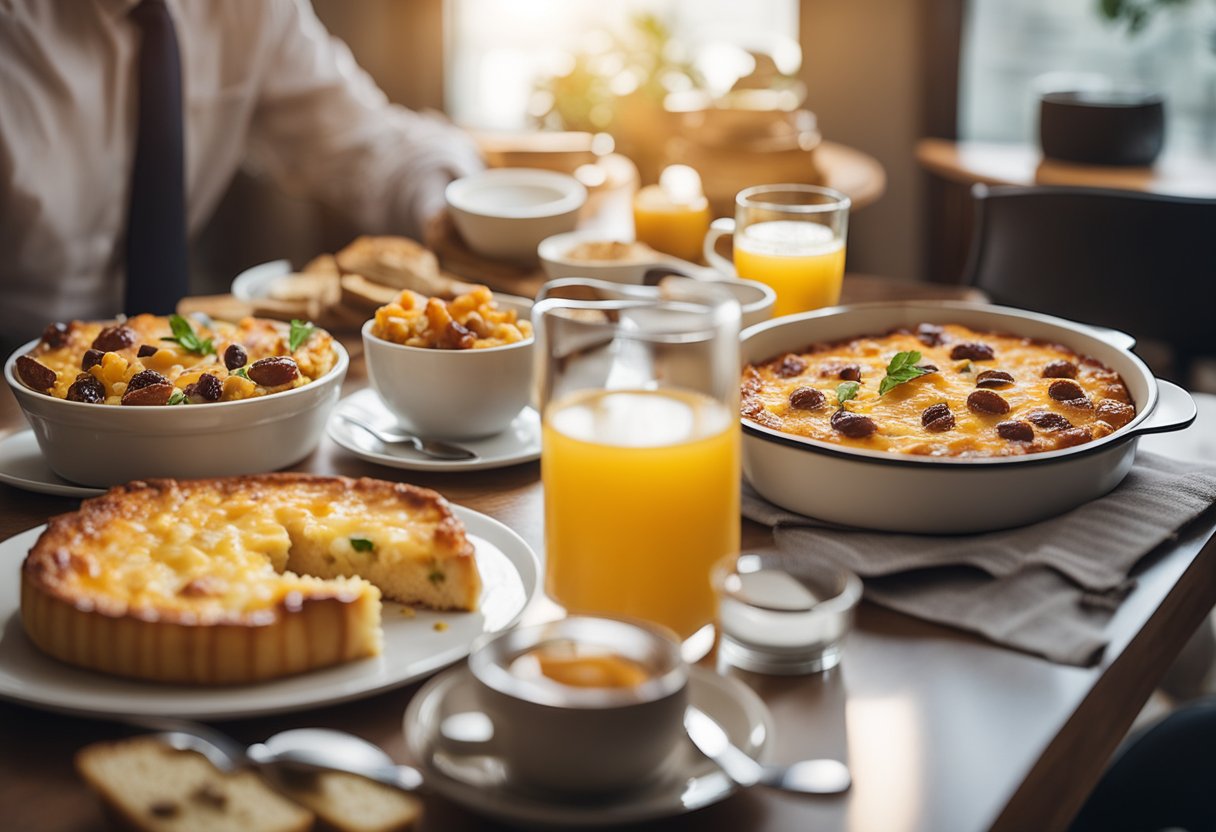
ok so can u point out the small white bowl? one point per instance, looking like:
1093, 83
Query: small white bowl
505, 213
104, 445
453, 394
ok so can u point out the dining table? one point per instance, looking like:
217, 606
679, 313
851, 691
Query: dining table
941, 729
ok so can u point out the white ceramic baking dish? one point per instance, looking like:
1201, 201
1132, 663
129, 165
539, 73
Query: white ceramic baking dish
906, 493
104, 445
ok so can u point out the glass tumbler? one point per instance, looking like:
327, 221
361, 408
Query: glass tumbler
791, 237
638, 390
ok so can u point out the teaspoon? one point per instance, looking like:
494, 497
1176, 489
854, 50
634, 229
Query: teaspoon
321, 748
427, 447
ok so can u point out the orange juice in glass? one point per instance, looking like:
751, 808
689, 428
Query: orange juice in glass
641, 447
791, 237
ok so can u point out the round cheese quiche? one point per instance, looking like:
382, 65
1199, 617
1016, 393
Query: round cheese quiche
155, 360
236, 580
938, 391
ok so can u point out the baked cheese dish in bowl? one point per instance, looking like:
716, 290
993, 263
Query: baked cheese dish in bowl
237, 580
454, 369
153, 396
943, 417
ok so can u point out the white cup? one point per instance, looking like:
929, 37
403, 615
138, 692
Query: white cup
579, 740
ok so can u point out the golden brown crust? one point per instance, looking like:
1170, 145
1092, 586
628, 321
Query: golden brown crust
190, 637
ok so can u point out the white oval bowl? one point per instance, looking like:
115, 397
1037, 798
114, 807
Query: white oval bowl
948, 495
505, 213
104, 445
453, 394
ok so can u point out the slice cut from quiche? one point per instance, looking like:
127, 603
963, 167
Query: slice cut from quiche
228, 581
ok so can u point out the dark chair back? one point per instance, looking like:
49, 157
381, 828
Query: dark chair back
1142, 263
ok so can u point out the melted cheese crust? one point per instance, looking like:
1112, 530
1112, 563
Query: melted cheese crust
766, 390
241, 550
259, 337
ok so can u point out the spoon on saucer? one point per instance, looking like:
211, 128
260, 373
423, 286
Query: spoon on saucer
427, 447
823, 776
321, 748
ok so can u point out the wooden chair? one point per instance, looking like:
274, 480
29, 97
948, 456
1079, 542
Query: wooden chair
1142, 263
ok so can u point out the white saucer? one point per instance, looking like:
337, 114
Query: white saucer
23, 466
520, 442
689, 780
413, 646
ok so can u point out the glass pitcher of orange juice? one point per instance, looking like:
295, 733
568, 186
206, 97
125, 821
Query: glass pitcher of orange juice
638, 388
792, 238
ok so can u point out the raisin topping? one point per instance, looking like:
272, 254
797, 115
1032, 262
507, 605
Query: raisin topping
91, 358
1060, 369
145, 350
235, 357
114, 338
972, 351
853, 425
274, 371
790, 366
1065, 389
807, 398
937, 418
1015, 431
994, 379
35, 374
1047, 420
86, 389
207, 389
145, 378
850, 373
930, 335
987, 402
55, 335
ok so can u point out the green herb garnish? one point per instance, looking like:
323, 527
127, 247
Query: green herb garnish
361, 544
240, 371
902, 368
185, 336
846, 390
301, 331
178, 397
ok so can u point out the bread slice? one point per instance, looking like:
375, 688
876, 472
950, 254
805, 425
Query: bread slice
349, 803
304, 286
154, 788
393, 261
322, 264
360, 293
308, 309
236, 580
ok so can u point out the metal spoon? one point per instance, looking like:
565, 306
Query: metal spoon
822, 776
427, 447
316, 748
321, 748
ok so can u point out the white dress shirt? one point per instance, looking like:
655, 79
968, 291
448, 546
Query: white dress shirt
263, 84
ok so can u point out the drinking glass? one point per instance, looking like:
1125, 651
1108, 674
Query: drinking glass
791, 237
638, 390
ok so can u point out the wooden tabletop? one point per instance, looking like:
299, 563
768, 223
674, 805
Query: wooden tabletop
1175, 173
942, 730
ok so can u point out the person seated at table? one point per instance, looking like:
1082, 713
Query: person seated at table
1160, 778
125, 121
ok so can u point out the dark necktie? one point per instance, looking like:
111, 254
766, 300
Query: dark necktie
156, 220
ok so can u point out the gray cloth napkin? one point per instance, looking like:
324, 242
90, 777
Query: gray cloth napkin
1048, 589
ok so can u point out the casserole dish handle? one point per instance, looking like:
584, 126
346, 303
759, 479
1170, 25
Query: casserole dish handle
1175, 410
1117, 338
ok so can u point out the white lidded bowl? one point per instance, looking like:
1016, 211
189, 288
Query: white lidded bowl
945, 495
104, 445
505, 213
453, 394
